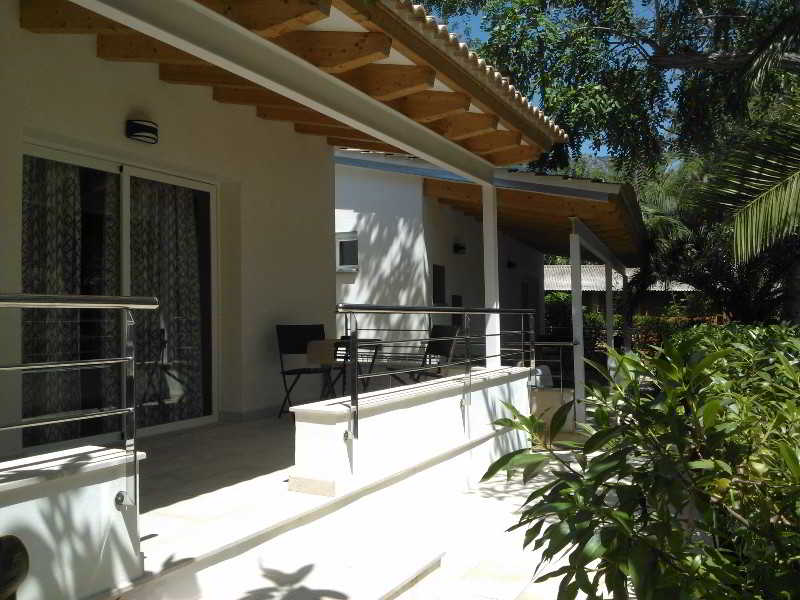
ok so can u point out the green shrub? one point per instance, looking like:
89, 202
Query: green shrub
689, 486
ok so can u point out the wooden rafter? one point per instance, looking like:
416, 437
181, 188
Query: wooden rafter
430, 106
364, 145
390, 82
464, 126
406, 40
337, 51
254, 96
296, 115
341, 132
496, 141
201, 75
331, 51
513, 156
268, 18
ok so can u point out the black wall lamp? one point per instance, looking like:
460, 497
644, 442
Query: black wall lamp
141, 131
459, 248
511, 264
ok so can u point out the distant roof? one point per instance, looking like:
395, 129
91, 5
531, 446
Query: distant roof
557, 278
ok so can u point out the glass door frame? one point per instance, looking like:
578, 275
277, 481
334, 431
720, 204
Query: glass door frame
126, 171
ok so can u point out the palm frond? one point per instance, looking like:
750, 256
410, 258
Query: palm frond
760, 182
771, 217
769, 56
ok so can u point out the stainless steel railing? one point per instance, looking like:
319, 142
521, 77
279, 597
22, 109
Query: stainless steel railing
516, 346
127, 408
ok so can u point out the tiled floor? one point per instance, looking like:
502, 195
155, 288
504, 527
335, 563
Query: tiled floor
188, 463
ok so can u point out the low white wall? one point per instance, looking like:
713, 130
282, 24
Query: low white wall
405, 428
61, 505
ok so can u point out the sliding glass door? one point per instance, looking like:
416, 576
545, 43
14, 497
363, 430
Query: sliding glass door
170, 258
94, 228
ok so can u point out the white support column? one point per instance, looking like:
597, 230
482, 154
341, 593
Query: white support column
626, 324
577, 325
491, 273
610, 362
609, 307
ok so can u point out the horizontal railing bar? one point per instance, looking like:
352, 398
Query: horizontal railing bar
459, 338
437, 366
63, 366
66, 418
553, 343
67, 301
441, 310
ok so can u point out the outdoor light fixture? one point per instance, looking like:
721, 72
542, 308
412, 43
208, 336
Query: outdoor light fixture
142, 131
511, 264
459, 248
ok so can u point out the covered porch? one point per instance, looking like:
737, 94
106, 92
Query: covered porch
247, 101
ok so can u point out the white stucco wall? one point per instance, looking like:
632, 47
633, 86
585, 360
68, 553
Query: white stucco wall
401, 234
274, 197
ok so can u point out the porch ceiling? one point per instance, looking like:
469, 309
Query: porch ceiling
390, 50
536, 210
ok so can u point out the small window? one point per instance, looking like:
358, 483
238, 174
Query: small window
437, 285
347, 252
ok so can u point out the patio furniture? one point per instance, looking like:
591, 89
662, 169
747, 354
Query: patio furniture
294, 340
439, 350
369, 352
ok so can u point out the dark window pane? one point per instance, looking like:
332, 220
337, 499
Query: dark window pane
348, 253
437, 283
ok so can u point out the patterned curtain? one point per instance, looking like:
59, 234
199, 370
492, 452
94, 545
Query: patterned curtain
165, 263
53, 257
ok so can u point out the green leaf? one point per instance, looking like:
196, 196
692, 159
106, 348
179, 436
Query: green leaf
532, 469
706, 465
711, 411
501, 463
789, 456
601, 438
559, 418
641, 569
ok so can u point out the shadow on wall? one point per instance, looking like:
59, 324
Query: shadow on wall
393, 271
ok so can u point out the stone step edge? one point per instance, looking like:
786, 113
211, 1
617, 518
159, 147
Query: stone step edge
242, 545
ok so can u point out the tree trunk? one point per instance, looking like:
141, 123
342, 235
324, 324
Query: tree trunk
791, 293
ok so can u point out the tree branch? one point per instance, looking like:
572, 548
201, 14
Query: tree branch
718, 61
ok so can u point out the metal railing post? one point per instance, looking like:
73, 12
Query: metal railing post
466, 399
129, 396
354, 379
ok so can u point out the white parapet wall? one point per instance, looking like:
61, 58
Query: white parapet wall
61, 505
449, 419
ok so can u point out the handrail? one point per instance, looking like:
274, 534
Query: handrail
72, 301
64, 365
425, 310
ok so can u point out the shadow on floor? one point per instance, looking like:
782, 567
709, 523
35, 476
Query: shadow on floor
287, 586
188, 463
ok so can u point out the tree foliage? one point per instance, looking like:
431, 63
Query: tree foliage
646, 77
689, 486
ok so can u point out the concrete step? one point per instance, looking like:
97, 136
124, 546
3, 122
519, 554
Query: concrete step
375, 548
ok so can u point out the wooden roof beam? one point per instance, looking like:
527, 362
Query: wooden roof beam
464, 126
497, 141
267, 18
296, 115
331, 51
390, 82
341, 132
426, 107
254, 96
513, 156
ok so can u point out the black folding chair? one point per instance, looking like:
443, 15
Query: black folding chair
440, 350
294, 339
